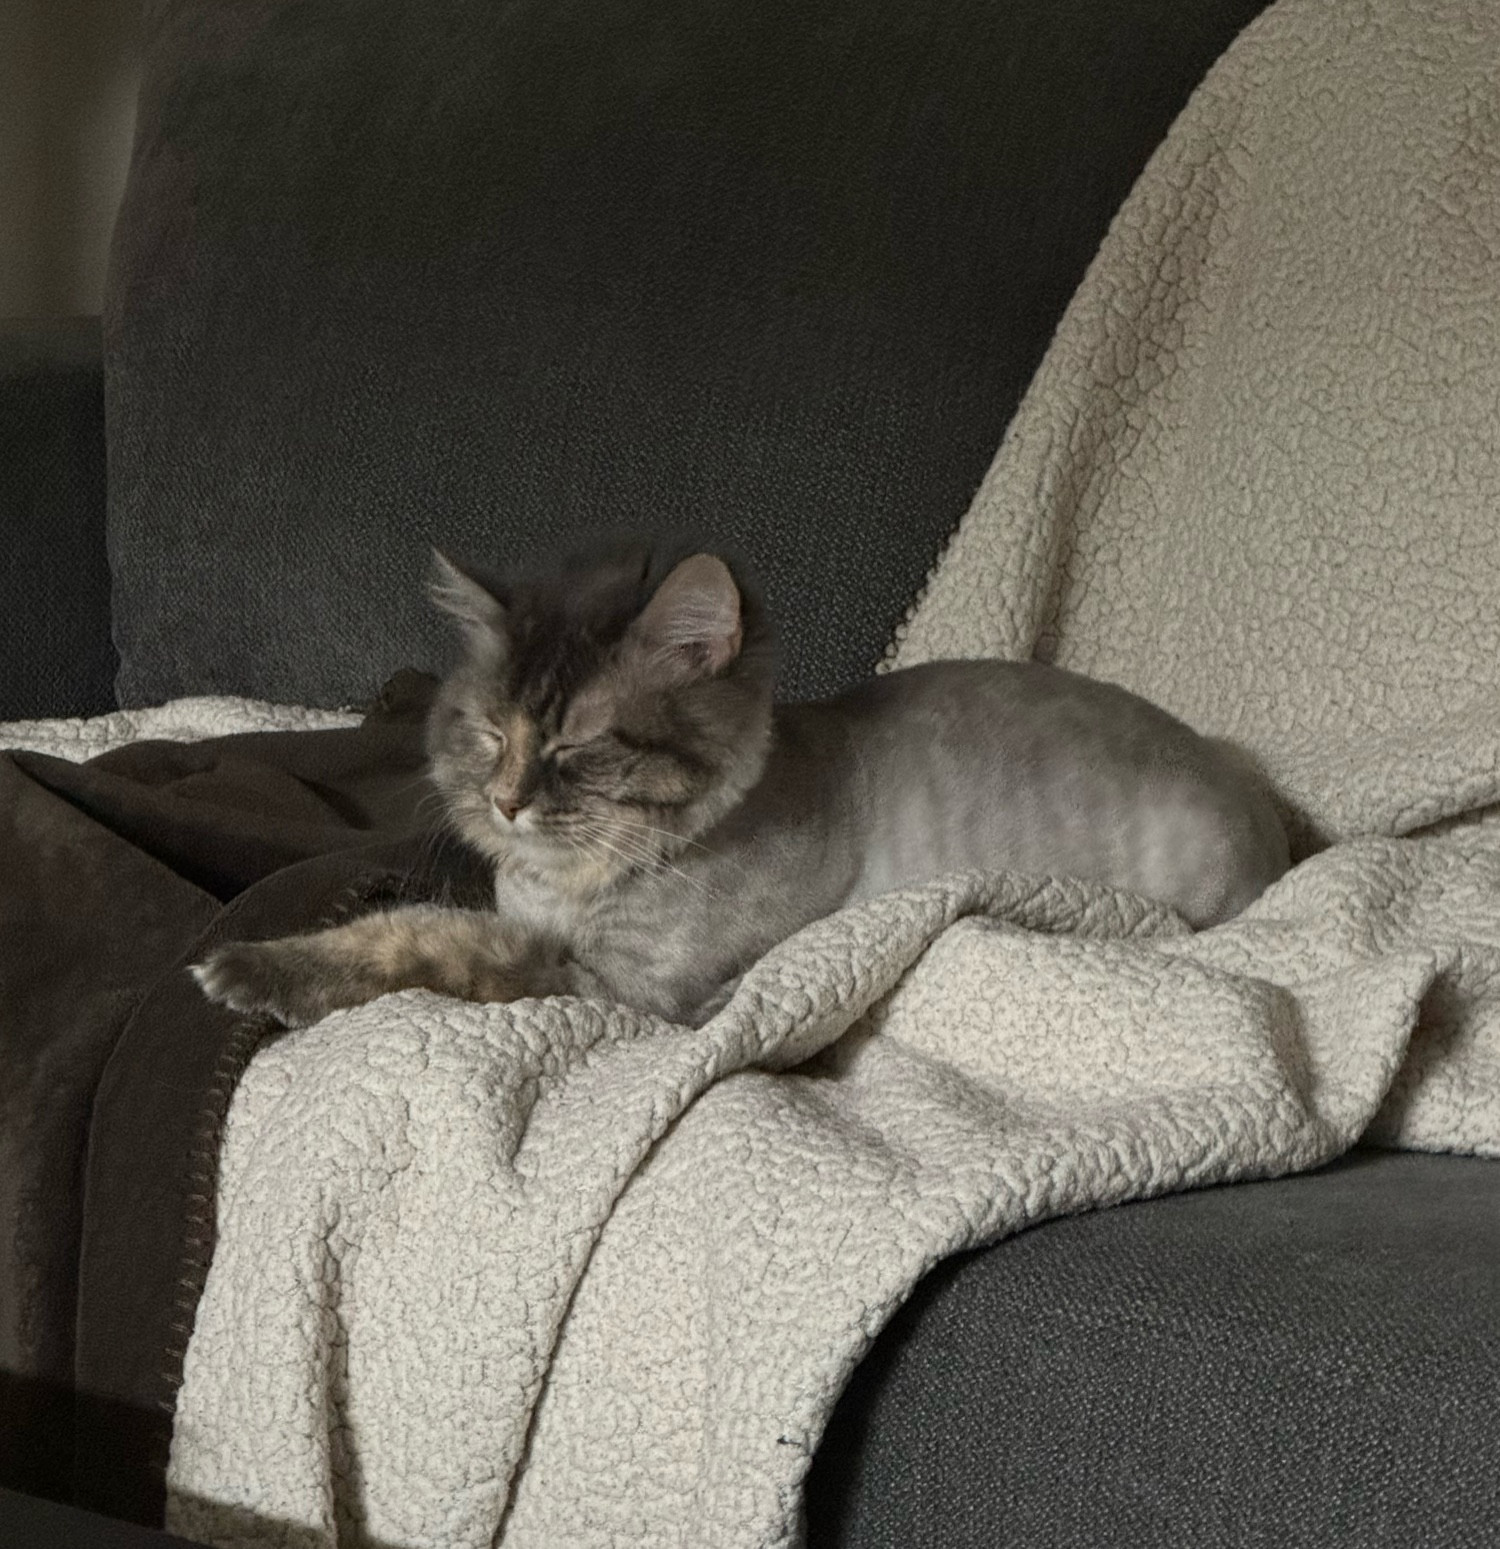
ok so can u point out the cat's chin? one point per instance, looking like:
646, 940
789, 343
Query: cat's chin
505, 842
544, 856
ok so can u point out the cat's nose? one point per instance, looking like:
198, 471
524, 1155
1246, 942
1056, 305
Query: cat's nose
508, 808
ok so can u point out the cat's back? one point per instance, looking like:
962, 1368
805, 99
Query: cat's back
1027, 767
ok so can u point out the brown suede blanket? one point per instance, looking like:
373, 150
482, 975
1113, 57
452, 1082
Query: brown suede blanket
117, 1073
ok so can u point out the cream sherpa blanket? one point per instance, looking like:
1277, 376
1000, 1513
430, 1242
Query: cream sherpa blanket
560, 1274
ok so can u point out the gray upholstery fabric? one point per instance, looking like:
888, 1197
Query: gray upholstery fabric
1305, 1362
496, 276
56, 655
44, 1525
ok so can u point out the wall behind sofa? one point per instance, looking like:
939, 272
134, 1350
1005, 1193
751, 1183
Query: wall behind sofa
69, 70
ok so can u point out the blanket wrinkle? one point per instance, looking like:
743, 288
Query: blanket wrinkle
119, 1074
597, 1280
194, 719
1168, 1062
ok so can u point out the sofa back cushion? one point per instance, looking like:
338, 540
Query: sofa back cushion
56, 657
501, 277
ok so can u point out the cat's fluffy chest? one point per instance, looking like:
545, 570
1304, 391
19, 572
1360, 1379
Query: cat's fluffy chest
668, 937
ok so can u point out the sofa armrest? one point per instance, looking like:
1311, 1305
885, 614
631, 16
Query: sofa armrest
56, 654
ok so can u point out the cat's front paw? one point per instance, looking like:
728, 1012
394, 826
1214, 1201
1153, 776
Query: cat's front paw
265, 979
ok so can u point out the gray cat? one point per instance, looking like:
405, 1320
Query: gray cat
609, 742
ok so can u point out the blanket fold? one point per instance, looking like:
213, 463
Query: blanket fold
118, 1073
504, 1274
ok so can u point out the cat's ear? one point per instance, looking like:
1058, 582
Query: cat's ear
693, 624
479, 613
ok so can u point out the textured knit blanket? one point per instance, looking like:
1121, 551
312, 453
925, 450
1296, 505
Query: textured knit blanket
557, 1273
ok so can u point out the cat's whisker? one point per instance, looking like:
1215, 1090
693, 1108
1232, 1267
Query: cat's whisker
666, 833
648, 828
619, 845
633, 852
593, 850
630, 859
430, 839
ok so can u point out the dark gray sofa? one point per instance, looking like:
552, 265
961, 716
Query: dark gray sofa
498, 276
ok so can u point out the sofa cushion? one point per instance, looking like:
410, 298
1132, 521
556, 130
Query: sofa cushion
501, 276
1310, 1362
56, 655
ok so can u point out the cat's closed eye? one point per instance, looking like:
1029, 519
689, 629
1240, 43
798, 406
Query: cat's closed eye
480, 727
599, 758
471, 733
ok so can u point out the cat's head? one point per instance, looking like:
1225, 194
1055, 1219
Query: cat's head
602, 717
